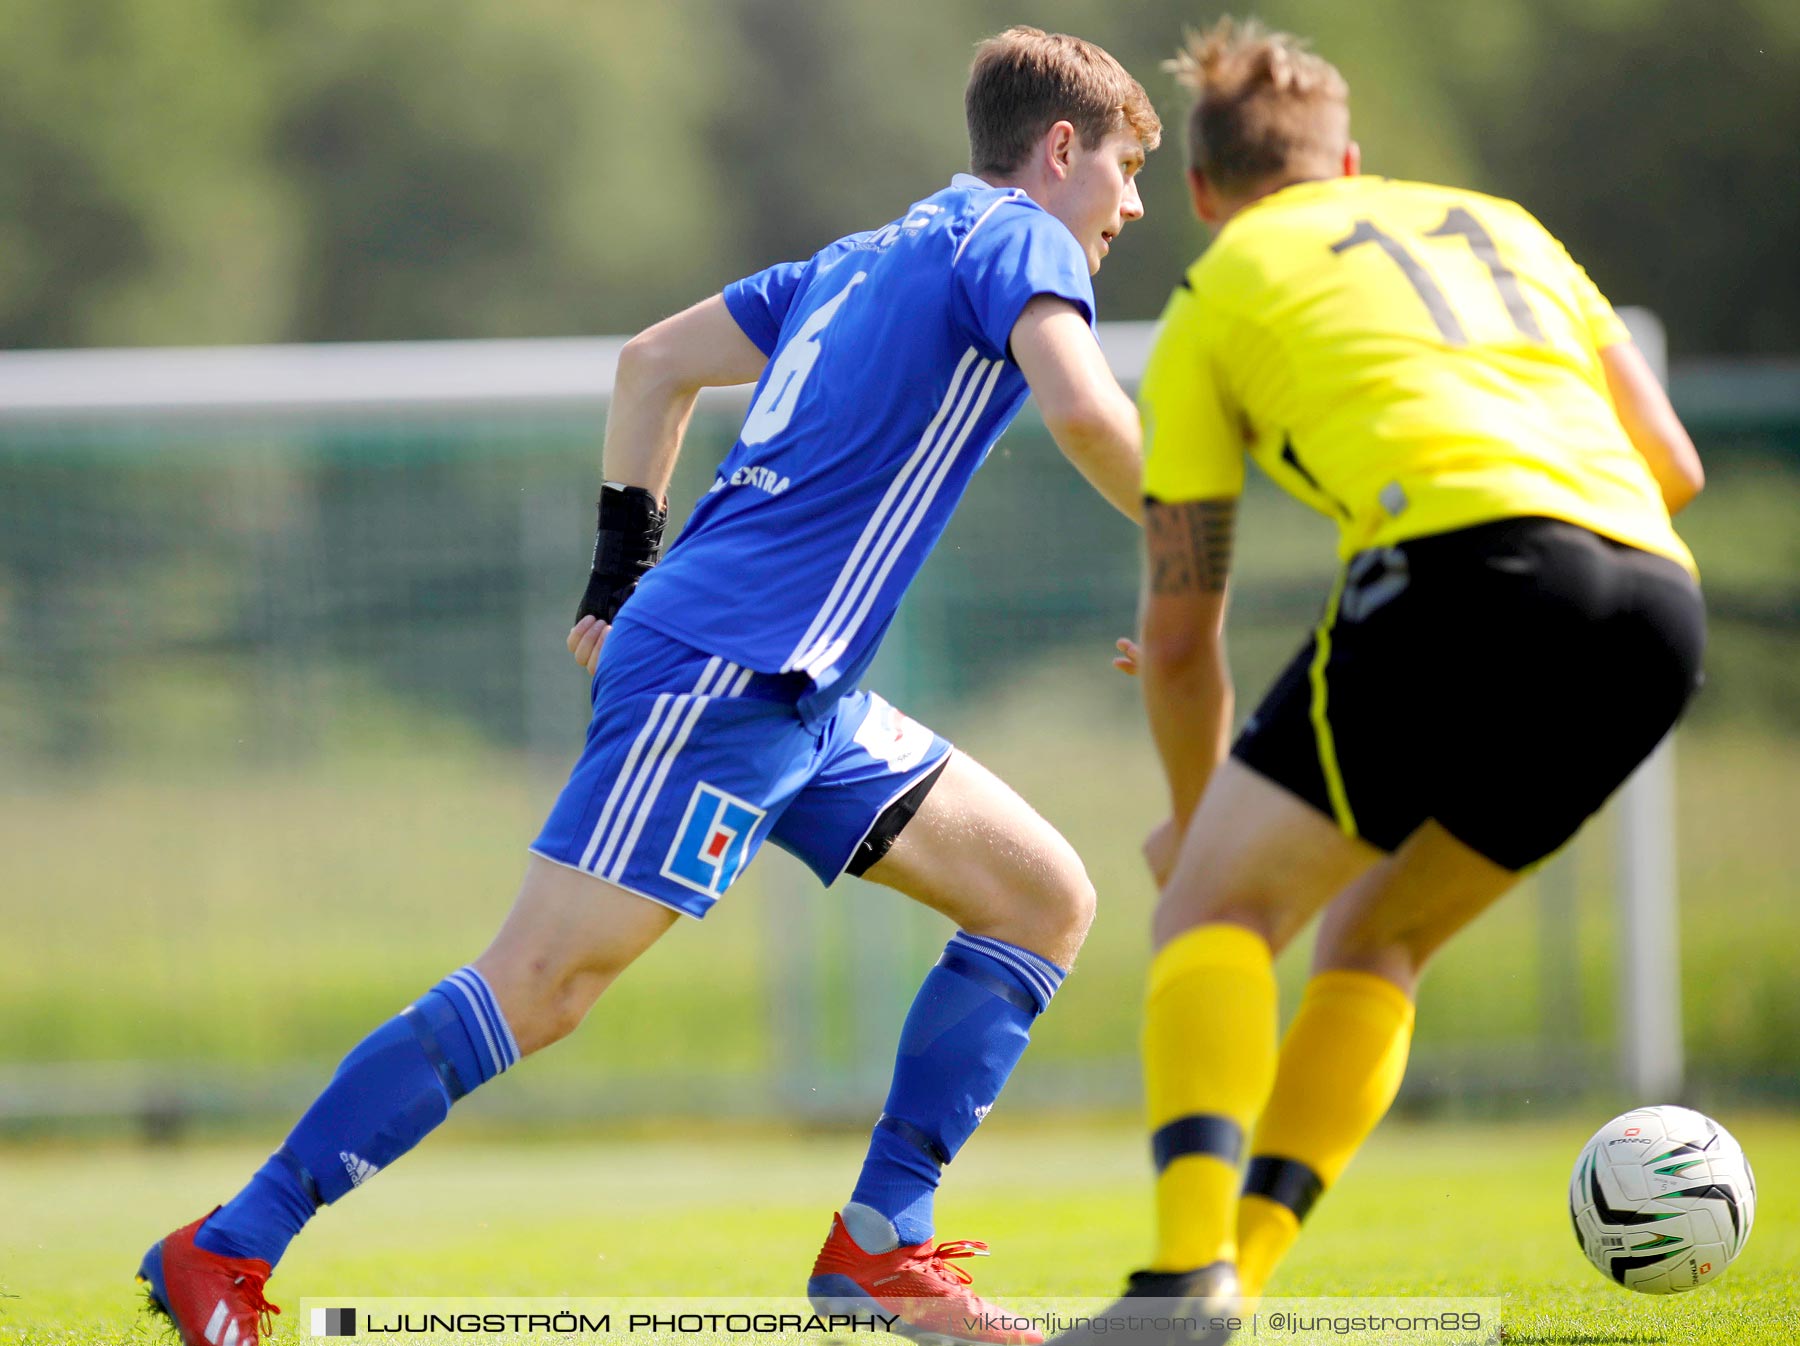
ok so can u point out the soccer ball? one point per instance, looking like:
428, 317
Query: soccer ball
1662, 1199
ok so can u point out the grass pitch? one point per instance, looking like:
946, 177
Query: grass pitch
1464, 1209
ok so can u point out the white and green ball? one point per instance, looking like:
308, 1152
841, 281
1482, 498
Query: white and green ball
1662, 1199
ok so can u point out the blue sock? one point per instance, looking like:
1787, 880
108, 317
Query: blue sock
963, 1036
396, 1085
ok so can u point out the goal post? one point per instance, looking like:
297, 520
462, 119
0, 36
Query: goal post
1649, 923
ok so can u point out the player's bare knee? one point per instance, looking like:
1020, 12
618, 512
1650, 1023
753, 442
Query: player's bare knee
572, 1001
1047, 911
1052, 908
1084, 904
555, 1006
1274, 922
546, 992
1381, 943
1393, 960
1064, 915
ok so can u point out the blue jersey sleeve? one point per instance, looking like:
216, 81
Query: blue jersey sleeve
760, 302
1009, 258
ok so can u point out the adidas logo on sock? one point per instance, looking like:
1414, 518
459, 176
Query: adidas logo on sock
359, 1169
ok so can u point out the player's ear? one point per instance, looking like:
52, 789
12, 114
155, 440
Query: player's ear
1352, 159
1059, 144
1204, 197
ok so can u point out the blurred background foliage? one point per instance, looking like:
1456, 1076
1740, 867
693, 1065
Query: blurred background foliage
204, 171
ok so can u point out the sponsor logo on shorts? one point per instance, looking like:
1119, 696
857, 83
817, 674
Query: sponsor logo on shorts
712, 842
889, 736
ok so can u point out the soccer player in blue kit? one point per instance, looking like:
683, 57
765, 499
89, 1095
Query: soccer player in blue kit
727, 710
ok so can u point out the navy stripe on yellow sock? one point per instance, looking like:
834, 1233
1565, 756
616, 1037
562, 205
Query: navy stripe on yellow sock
1197, 1133
1209, 1060
1288, 1182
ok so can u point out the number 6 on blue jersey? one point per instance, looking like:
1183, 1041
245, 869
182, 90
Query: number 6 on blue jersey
781, 389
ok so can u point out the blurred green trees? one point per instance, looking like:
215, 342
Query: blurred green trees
194, 171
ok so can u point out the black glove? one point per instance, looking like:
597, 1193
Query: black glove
627, 542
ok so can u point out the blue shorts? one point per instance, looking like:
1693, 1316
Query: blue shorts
692, 762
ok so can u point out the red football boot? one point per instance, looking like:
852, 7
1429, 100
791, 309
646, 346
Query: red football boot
212, 1300
920, 1283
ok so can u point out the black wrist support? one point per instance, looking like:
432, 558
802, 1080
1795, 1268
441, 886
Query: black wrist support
627, 543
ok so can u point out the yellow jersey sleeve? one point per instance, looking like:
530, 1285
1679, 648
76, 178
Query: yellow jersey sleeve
1604, 325
1193, 443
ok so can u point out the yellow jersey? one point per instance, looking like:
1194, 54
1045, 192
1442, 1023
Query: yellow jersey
1407, 359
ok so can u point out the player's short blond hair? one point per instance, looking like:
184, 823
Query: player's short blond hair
1025, 80
1263, 105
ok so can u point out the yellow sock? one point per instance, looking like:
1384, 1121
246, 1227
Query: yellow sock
1340, 1068
1265, 1231
1209, 1060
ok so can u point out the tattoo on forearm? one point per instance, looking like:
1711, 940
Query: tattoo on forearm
1189, 545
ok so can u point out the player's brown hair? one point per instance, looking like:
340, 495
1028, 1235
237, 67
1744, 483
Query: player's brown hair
1263, 105
1025, 80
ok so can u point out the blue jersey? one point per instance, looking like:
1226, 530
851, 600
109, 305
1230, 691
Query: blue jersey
888, 381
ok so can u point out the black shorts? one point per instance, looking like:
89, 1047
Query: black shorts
1502, 680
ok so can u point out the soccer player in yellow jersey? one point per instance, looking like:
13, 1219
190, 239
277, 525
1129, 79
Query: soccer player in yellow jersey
1514, 628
